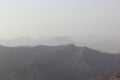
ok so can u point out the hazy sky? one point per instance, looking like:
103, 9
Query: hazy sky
59, 17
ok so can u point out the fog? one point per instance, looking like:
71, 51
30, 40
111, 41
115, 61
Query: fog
96, 23
59, 39
36, 18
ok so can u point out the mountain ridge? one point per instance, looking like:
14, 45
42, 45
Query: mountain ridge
96, 42
56, 63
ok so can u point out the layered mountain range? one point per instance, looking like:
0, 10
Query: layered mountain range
105, 44
65, 62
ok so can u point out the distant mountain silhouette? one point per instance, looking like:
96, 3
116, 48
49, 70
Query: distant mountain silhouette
110, 45
26, 41
65, 62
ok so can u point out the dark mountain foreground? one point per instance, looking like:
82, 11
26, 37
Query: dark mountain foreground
66, 62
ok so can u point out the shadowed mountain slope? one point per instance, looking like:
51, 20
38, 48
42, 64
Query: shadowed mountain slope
66, 62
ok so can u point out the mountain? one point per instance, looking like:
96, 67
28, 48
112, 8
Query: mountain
27, 41
65, 62
105, 44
